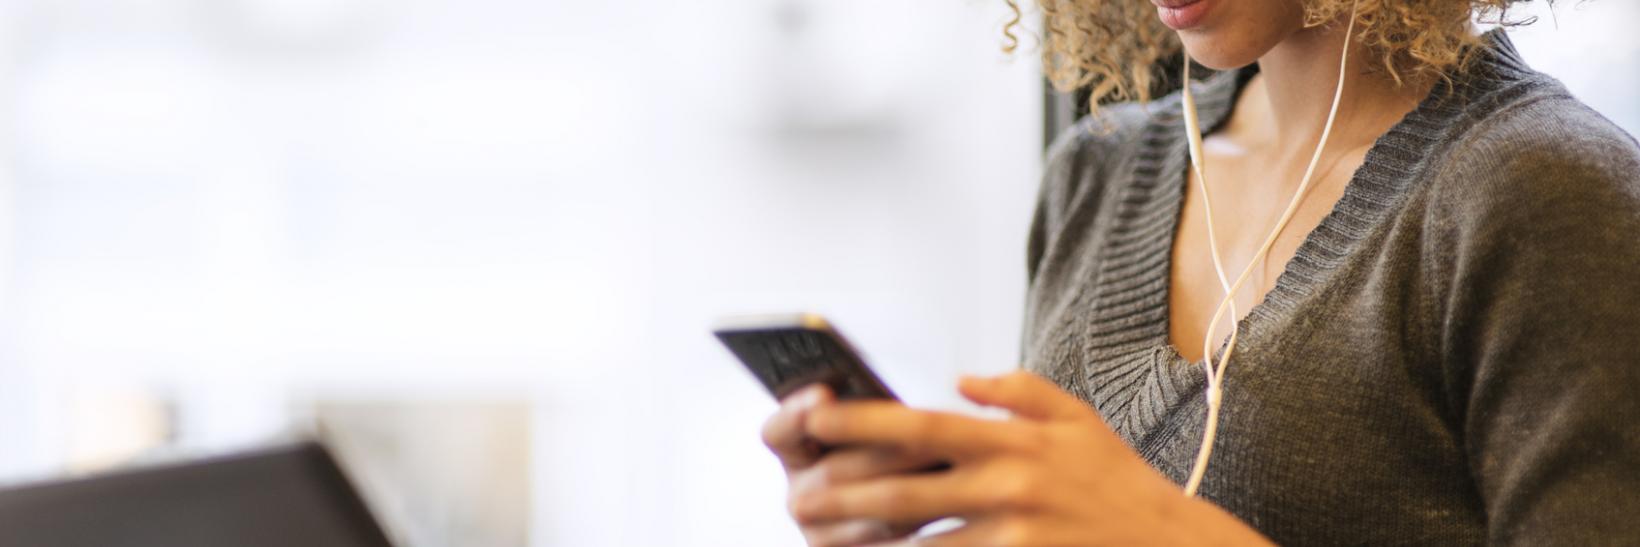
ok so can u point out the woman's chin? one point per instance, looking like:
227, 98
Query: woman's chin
1231, 41
1216, 54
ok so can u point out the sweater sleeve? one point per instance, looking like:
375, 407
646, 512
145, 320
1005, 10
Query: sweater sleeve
1543, 314
1059, 178
1061, 174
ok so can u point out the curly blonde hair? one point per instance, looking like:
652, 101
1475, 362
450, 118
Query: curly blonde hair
1111, 48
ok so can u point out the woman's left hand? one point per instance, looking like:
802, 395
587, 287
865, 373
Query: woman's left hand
1053, 474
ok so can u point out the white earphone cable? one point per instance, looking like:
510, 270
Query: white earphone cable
1215, 372
1195, 141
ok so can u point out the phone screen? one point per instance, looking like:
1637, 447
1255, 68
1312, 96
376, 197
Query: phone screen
787, 354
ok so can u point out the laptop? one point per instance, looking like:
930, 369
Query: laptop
289, 495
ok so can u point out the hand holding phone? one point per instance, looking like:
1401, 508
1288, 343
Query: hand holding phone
786, 353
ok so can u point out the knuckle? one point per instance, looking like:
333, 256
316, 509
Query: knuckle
1006, 496
795, 507
791, 506
1015, 490
891, 497
924, 428
1035, 440
799, 483
1020, 441
1013, 532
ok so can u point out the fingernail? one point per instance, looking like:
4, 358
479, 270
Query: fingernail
812, 395
799, 401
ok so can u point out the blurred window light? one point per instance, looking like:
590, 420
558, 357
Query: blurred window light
233, 205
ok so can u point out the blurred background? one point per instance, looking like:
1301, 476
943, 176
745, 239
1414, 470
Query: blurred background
478, 245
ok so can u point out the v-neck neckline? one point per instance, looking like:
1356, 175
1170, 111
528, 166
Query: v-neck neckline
1371, 193
1332, 240
1119, 343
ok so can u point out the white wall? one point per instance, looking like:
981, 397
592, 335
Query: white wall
231, 205
1591, 46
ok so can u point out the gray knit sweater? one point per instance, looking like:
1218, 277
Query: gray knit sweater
1452, 357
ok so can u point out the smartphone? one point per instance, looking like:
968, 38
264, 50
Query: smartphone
787, 352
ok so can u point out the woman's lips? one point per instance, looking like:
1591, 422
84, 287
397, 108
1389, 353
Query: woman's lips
1182, 14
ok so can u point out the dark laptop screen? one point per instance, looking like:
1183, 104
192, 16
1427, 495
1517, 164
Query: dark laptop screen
286, 496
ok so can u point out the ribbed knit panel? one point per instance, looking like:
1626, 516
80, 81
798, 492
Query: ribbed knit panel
1127, 313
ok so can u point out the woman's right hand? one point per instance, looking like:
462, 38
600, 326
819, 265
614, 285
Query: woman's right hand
807, 469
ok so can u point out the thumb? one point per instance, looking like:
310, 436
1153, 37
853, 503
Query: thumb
1024, 394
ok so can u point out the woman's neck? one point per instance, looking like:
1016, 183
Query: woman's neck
1285, 107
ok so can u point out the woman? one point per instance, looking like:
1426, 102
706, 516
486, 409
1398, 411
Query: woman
1433, 347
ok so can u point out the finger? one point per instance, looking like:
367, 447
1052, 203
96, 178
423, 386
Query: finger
975, 490
900, 499
856, 464
783, 432
856, 532
999, 531
1025, 395
891, 424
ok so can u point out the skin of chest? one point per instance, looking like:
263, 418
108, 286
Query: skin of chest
1250, 188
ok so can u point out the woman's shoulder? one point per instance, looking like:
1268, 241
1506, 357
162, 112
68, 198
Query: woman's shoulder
1096, 139
1111, 131
1540, 151
1085, 159
1538, 191
1105, 129
1094, 151
1516, 134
